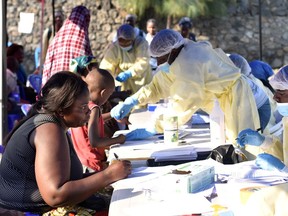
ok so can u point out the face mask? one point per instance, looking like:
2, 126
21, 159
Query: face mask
282, 108
128, 48
165, 67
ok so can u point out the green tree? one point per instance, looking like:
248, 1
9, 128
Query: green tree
177, 8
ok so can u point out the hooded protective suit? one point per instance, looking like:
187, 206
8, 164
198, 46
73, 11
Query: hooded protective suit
134, 61
199, 75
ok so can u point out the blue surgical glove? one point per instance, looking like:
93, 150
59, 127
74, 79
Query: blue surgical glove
122, 109
141, 133
269, 162
250, 137
123, 76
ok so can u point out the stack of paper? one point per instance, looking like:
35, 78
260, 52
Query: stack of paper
248, 172
175, 154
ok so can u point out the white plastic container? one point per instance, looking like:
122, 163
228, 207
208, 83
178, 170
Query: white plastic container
217, 125
200, 178
171, 134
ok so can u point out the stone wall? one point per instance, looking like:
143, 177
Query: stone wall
105, 19
238, 32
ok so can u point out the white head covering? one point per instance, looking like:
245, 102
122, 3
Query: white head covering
164, 41
280, 79
126, 32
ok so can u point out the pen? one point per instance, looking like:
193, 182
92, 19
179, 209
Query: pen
116, 156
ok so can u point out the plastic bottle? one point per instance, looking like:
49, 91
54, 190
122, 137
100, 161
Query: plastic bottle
217, 126
171, 135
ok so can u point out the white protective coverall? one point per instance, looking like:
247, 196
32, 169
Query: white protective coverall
199, 75
136, 60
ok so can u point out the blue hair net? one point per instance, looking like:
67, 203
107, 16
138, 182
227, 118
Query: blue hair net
280, 79
261, 70
241, 63
164, 41
126, 32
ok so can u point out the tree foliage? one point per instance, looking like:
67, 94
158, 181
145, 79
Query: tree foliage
177, 8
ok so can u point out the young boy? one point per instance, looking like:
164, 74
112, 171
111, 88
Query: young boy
89, 140
82, 65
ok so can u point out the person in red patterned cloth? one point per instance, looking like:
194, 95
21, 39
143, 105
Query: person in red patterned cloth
70, 42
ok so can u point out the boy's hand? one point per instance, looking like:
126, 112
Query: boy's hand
121, 139
125, 121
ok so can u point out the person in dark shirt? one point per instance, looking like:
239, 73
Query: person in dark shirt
27, 94
186, 25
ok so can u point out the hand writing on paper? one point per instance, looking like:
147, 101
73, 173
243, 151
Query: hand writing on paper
119, 169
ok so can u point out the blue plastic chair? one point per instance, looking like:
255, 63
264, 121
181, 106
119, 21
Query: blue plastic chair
1, 149
35, 81
31, 214
25, 108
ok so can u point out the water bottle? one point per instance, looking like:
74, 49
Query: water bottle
171, 135
217, 126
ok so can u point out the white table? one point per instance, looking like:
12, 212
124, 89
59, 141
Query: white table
142, 150
139, 151
150, 191
131, 198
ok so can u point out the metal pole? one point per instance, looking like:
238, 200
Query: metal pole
53, 16
41, 35
3, 96
260, 30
